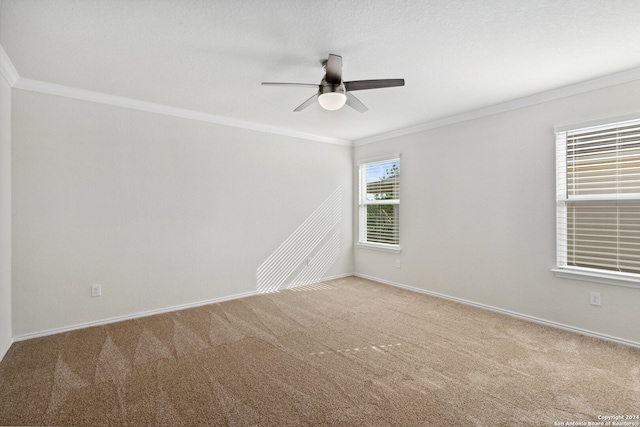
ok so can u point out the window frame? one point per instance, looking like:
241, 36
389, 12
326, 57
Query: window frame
562, 269
363, 203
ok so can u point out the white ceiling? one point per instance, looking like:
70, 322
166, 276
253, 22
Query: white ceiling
210, 56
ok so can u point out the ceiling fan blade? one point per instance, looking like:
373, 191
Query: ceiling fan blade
306, 103
372, 84
290, 84
334, 69
355, 103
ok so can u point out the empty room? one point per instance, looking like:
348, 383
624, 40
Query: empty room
349, 213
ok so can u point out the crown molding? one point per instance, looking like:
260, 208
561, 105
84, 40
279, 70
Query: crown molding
551, 95
9, 72
134, 104
7, 69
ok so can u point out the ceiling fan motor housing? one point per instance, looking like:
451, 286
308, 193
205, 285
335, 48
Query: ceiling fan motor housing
326, 87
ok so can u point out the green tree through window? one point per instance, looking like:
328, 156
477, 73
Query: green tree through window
380, 202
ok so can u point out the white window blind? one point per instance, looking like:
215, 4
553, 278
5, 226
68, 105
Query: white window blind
380, 202
598, 187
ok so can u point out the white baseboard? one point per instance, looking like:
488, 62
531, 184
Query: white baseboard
150, 313
5, 348
131, 316
313, 282
507, 312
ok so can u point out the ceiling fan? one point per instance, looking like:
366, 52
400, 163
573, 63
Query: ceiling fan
333, 93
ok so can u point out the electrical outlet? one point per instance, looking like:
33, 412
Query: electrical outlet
96, 290
594, 298
398, 263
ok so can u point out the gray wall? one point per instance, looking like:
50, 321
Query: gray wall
478, 215
164, 212
160, 211
5, 217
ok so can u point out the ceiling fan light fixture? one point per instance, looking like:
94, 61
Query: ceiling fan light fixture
332, 100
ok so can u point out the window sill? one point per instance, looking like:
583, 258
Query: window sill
379, 247
598, 276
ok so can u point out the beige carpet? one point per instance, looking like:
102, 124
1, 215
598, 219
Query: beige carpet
345, 352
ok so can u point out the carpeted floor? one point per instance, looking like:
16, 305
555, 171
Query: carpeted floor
344, 352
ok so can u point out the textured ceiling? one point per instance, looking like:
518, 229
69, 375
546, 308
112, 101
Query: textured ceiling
210, 56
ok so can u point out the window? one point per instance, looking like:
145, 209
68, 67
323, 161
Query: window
598, 203
379, 204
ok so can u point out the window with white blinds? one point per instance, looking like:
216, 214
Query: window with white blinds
598, 198
379, 203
